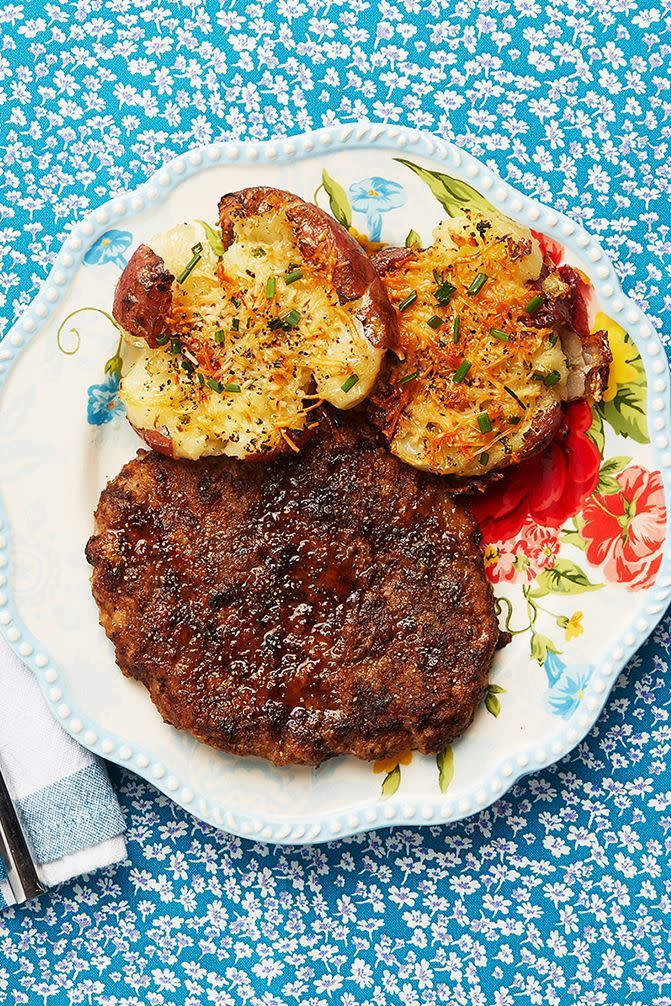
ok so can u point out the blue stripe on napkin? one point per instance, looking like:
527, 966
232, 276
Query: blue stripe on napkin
71, 814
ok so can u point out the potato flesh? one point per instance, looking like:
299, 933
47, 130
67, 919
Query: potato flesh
437, 428
275, 369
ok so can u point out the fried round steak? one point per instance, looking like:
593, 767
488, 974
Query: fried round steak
330, 604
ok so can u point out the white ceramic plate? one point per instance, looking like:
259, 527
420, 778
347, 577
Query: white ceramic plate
62, 436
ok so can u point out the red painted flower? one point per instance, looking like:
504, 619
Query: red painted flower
534, 549
548, 488
625, 531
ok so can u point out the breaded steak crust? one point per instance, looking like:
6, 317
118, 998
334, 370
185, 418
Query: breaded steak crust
330, 604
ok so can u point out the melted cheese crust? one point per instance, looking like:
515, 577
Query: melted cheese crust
221, 314
435, 422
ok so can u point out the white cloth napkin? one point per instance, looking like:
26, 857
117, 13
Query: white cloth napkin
70, 813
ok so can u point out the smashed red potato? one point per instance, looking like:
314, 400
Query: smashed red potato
492, 340
238, 334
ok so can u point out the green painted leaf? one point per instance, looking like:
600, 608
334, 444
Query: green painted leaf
213, 238
574, 538
413, 240
626, 413
391, 782
492, 704
454, 195
564, 578
595, 432
114, 365
607, 484
445, 763
540, 645
614, 464
338, 201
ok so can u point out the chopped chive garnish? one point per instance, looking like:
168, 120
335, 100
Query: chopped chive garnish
501, 336
270, 287
444, 292
514, 420
215, 385
434, 322
484, 458
235, 324
515, 397
162, 340
407, 301
175, 346
477, 284
291, 319
350, 382
552, 378
292, 276
456, 328
438, 278
485, 423
553, 339
201, 379
219, 336
197, 251
236, 302
409, 377
258, 252
188, 366
461, 371
235, 388
534, 303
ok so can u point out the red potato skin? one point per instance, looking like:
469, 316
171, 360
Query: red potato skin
597, 348
391, 258
159, 442
572, 311
326, 245
143, 296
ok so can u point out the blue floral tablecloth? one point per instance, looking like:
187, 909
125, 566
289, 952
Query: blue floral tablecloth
560, 893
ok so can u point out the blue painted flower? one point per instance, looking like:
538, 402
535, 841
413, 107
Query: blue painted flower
104, 403
567, 693
554, 667
110, 247
375, 196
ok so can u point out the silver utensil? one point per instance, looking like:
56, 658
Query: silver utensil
21, 872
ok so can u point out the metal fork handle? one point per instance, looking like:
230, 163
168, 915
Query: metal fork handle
19, 860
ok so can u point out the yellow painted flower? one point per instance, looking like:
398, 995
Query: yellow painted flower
492, 555
389, 764
574, 626
621, 370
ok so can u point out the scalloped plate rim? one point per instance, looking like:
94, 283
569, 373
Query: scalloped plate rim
372, 814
